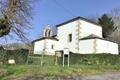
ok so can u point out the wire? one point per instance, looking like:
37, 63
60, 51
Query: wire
65, 9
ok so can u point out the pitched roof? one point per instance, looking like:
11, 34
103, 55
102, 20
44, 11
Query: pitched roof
76, 18
51, 38
92, 36
54, 36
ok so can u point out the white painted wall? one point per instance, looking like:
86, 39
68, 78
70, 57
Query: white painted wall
104, 46
86, 46
88, 29
39, 46
49, 45
63, 32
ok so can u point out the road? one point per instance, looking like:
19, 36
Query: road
107, 76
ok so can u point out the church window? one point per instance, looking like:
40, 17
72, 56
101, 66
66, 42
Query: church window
70, 37
52, 46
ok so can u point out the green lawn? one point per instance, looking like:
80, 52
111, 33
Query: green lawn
20, 72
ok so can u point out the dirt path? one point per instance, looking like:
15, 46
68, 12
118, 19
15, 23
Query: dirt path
107, 76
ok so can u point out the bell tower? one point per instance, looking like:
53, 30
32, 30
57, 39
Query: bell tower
47, 31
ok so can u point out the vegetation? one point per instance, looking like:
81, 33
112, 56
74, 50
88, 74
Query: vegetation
15, 17
78, 59
23, 72
114, 14
20, 56
107, 25
80, 64
95, 59
36, 60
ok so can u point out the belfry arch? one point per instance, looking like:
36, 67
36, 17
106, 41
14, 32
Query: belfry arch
47, 31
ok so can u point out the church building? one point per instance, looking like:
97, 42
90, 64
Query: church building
77, 35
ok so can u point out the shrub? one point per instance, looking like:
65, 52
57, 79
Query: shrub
79, 59
94, 59
3, 56
20, 56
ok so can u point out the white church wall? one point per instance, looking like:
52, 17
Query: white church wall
88, 29
104, 46
86, 46
63, 32
39, 46
51, 43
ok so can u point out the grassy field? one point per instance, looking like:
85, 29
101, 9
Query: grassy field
21, 72
79, 65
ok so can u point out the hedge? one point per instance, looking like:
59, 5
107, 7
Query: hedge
79, 59
20, 56
3, 56
36, 59
94, 59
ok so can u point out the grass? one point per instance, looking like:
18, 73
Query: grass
20, 72
79, 65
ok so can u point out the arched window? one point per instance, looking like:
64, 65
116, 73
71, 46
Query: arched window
47, 32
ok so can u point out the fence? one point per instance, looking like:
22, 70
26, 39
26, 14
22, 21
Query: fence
20, 56
39, 59
79, 59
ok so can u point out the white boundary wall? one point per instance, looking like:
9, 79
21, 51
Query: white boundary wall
86, 46
99, 46
104, 46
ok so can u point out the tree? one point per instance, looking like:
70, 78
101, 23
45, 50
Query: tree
94, 18
15, 17
107, 25
115, 14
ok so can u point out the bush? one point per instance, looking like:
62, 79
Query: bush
20, 56
3, 56
79, 59
94, 59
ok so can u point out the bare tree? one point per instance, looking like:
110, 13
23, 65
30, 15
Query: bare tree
115, 14
15, 17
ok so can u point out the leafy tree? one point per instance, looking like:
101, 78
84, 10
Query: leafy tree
107, 25
15, 17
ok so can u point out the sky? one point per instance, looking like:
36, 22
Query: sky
53, 12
